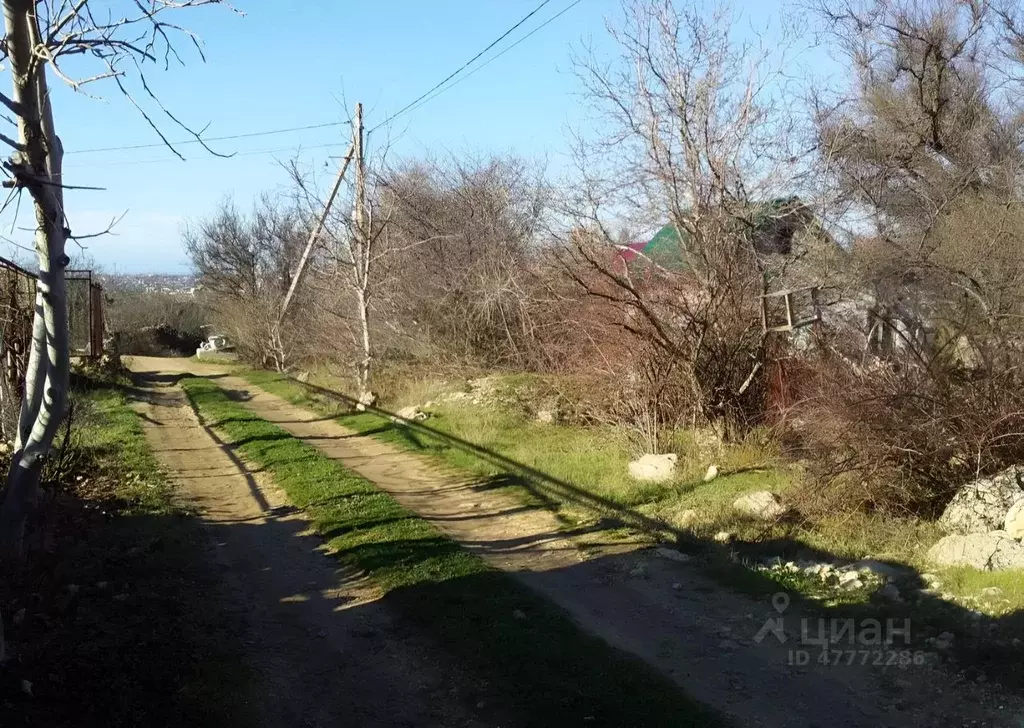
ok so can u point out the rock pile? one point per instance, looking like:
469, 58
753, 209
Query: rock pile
986, 523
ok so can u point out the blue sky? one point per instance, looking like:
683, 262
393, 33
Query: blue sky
277, 67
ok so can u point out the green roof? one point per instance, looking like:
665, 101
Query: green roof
665, 248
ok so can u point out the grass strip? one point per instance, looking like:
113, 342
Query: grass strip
538, 667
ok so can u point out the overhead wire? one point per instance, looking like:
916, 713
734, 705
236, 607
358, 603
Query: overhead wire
449, 82
463, 67
486, 63
249, 153
247, 135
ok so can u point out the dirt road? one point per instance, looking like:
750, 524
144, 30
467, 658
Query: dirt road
323, 652
666, 611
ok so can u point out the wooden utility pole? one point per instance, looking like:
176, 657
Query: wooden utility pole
362, 255
359, 209
315, 234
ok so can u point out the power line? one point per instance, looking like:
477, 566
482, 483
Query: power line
205, 140
424, 98
492, 59
252, 152
462, 68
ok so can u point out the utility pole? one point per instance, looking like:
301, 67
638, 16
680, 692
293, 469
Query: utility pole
361, 252
359, 209
314, 234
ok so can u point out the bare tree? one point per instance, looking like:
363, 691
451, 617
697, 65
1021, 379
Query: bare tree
41, 36
699, 135
353, 249
245, 266
466, 258
925, 150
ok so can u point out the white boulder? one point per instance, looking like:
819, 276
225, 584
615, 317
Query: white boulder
654, 468
410, 414
762, 505
1013, 523
993, 551
982, 505
711, 473
366, 399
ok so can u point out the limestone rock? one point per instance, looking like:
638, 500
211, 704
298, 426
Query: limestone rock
410, 414
762, 505
994, 551
711, 474
943, 642
880, 569
849, 577
545, 416
1013, 523
672, 554
366, 400
654, 468
983, 505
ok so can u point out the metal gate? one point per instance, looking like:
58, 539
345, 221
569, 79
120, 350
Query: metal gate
85, 313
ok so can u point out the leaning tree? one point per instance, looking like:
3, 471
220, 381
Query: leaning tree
83, 44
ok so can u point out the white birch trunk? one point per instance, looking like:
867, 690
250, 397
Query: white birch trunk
48, 371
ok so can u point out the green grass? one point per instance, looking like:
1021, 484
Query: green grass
591, 459
594, 459
147, 643
539, 669
112, 437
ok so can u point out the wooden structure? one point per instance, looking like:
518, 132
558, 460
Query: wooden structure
790, 309
785, 312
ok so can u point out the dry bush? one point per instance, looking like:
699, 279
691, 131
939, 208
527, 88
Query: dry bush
244, 265
463, 275
150, 323
924, 153
891, 436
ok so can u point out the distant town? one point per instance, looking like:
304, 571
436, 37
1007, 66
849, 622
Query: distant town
175, 284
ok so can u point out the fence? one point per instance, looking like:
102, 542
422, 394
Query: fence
85, 313
17, 305
17, 301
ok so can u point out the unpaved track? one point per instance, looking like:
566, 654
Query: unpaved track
668, 613
324, 653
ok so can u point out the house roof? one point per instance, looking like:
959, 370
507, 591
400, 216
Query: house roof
774, 223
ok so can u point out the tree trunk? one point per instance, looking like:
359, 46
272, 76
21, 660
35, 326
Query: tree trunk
37, 168
364, 323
